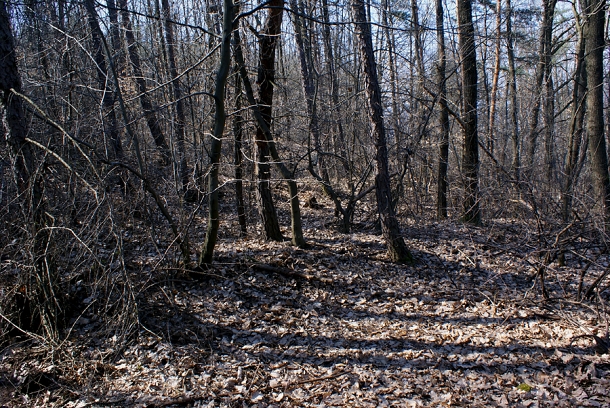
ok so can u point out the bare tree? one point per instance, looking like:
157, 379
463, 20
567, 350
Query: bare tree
217, 133
397, 249
470, 157
265, 80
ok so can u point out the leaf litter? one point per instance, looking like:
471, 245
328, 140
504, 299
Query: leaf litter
271, 325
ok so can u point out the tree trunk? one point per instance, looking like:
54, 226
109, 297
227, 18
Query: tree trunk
443, 160
576, 129
41, 287
265, 80
238, 123
216, 144
108, 113
495, 78
397, 249
180, 121
470, 158
544, 52
594, 11
145, 102
512, 91
295, 210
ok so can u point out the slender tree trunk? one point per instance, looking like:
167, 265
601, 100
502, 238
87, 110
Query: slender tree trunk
145, 102
265, 80
443, 160
544, 52
108, 113
216, 143
238, 121
594, 11
340, 141
512, 93
180, 121
576, 129
495, 78
470, 159
115, 37
397, 249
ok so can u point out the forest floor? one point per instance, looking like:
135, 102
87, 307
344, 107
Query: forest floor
336, 325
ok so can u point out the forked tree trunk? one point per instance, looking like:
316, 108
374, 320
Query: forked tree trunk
470, 158
397, 249
147, 107
295, 209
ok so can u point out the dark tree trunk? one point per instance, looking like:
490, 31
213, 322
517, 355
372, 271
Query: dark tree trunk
443, 159
397, 249
266, 78
594, 11
41, 288
145, 102
470, 159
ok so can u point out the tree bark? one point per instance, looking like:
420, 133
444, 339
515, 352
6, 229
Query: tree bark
397, 249
470, 158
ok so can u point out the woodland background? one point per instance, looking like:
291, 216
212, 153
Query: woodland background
156, 151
